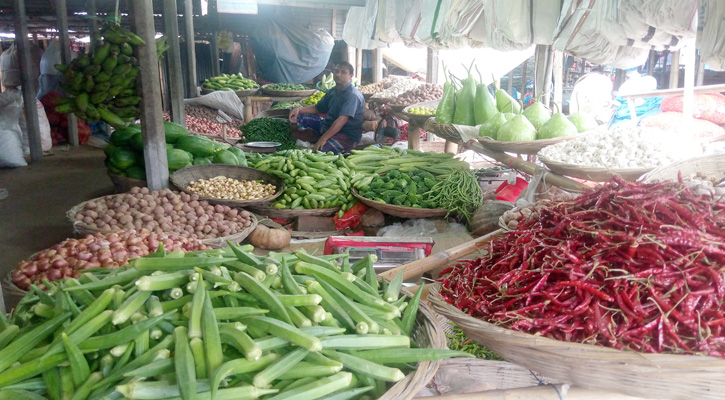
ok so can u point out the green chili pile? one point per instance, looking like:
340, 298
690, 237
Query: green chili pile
459, 193
269, 130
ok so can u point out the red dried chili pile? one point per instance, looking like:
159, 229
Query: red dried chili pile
629, 265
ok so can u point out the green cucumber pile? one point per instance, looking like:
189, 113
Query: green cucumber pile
235, 82
312, 180
216, 324
286, 86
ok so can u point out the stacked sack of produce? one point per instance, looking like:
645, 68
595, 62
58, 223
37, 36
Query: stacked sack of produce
500, 117
708, 111
125, 151
70, 257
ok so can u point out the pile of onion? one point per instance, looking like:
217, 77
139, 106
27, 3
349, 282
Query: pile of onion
70, 257
164, 211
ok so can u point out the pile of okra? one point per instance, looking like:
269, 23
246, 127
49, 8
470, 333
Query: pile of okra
218, 324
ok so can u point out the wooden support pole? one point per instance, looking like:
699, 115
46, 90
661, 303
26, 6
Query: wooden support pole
92, 23
431, 70
377, 65
510, 82
675, 70
523, 79
191, 83
173, 63
28, 82
543, 70
558, 72
65, 56
214, 40
689, 84
700, 75
414, 136
333, 31
154, 142
358, 65
651, 62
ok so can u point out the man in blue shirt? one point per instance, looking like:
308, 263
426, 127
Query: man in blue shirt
341, 129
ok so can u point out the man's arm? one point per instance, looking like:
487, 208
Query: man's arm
301, 110
334, 129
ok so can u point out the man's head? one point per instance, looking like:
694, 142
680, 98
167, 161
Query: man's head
343, 73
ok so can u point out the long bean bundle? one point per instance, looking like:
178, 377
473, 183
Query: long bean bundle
459, 193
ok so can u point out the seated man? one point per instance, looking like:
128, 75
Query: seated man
341, 129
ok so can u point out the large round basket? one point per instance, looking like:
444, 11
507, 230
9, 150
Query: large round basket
710, 166
593, 174
240, 93
287, 93
445, 131
400, 211
665, 376
527, 147
183, 178
274, 212
419, 118
123, 183
428, 333
80, 228
398, 107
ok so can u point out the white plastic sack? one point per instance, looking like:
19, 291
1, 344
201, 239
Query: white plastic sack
385, 28
225, 100
46, 142
11, 149
10, 65
710, 38
454, 28
407, 15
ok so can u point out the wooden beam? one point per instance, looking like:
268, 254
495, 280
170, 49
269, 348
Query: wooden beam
358, 65
334, 24
510, 83
431, 68
377, 65
29, 84
65, 56
191, 83
675, 70
154, 143
214, 40
543, 70
173, 61
558, 72
91, 12
700, 73
523, 79
651, 62
689, 84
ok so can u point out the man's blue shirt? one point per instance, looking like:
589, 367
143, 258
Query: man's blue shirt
348, 101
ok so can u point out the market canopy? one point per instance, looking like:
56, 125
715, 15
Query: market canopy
618, 33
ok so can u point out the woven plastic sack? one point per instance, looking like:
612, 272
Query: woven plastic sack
385, 27
11, 148
224, 100
407, 15
710, 106
710, 38
359, 27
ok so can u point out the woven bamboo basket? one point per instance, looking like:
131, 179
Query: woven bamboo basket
381, 100
427, 333
9, 288
398, 107
710, 166
274, 212
123, 183
240, 93
528, 147
418, 118
183, 177
80, 228
447, 132
594, 174
287, 93
400, 211
640, 374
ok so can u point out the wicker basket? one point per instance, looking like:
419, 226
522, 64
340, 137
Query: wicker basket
240, 93
528, 147
711, 166
447, 132
400, 211
123, 183
80, 228
639, 374
287, 93
274, 212
594, 174
418, 118
183, 177
427, 333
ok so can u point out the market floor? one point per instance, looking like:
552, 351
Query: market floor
33, 216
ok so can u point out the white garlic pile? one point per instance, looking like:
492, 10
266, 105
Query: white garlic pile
398, 87
622, 148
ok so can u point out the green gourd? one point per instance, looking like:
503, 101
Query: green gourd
504, 101
484, 107
558, 125
465, 99
517, 129
490, 128
583, 121
537, 113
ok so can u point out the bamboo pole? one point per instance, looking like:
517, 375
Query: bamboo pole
419, 267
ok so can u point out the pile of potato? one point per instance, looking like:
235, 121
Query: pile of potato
164, 211
425, 92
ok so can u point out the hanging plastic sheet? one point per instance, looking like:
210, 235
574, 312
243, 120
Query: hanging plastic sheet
407, 19
385, 28
710, 36
359, 29
290, 53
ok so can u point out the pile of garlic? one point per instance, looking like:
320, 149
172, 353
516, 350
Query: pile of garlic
398, 87
622, 148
